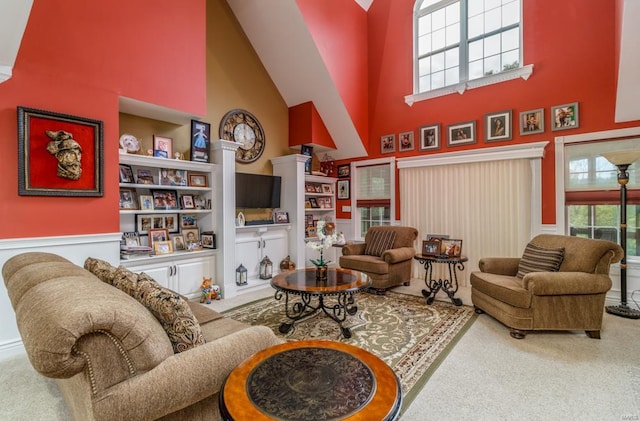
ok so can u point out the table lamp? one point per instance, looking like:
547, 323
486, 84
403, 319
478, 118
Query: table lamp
622, 160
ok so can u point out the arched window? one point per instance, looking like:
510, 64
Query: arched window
457, 41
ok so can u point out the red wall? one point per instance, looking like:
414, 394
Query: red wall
572, 49
76, 58
339, 29
306, 127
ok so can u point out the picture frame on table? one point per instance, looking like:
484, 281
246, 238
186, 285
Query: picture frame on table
165, 199
126, 174
429, 137
438, 237
565, 116
451, 248
280, 217
163, 247
198, 180
308, 151
344, 171
405, 142
532, 122
128, 199
498, 126
208, 240
59, 154
343, 189
191, 238
200, 141
431, 247
461, 133
162, 146
388, 143
156, 235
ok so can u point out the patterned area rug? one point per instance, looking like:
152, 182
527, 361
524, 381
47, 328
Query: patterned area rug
409, 335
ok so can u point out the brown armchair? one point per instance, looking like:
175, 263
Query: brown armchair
571, 298
385, 256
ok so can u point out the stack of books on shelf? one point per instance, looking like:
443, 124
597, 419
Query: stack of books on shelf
128, 252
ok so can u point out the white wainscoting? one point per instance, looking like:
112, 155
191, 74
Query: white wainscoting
74, 248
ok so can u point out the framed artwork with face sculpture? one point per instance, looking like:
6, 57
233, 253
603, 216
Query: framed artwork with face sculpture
59, 154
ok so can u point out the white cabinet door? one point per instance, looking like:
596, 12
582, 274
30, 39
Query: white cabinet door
162, 273
248, 253
276, 247
189, 274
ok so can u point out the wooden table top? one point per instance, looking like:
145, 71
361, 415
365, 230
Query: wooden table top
304, 281
441, 258
309, 380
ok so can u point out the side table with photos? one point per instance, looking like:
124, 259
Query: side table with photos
167, 219
441, 250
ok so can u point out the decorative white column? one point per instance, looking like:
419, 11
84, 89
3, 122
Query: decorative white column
224, 205
291, 169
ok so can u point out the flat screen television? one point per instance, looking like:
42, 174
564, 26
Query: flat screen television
257, 191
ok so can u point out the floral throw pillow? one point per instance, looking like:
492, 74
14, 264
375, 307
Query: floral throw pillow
101, 269
173, 313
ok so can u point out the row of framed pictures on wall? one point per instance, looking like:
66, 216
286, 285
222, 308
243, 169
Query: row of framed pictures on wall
498, 127
163, 177
161, 200
161, 242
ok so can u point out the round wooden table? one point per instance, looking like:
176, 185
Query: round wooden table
341, 283
311, 380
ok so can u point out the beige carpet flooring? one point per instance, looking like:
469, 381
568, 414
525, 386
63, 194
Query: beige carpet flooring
487, 376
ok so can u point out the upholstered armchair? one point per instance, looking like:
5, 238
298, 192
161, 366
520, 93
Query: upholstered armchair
385, 256
559, 283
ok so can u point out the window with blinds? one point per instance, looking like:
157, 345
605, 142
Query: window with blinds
373, 198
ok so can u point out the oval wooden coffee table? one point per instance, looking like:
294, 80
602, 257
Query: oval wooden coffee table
341, 283
311, 380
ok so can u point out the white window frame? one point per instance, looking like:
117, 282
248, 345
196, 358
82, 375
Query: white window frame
523, 71
356, 220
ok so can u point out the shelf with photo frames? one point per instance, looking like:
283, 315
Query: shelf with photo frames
184, 193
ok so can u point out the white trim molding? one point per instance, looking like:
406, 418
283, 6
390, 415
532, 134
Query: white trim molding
523, 72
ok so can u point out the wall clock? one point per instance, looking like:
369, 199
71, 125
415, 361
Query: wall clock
242, 127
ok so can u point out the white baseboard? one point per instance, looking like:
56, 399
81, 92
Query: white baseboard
11, 349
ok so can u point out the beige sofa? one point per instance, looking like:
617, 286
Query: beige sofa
572, 298
389, 264
110, 356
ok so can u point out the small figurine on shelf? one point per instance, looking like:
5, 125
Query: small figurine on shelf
216, 293
207, 290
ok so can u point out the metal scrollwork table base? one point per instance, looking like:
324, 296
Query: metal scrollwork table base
448, 285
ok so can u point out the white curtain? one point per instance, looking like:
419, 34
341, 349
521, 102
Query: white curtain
487, 205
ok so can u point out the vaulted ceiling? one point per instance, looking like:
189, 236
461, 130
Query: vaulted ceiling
278, 23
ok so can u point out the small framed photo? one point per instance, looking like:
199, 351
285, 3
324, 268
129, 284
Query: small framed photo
156, 235
326, 188
311, 231
208, 240
178, 242
461, 133
344, 171
131, 239
128, 199
126, 174
188, 221
187, 201
318, 188
280, 217
146, 202
191, 238
162, 146
198, 180
388, 143
200, 141
313, 202
565, 117
307, 150
307, 204
144, 177
440, 238
498, 126
532, 122
406, 142
430, 137
170, 222
200, 202
165, 199
144, 223
451, 248
171, 177
431, 247
163, 247
343, 189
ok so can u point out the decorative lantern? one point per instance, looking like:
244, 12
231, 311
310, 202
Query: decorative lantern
241, 275
266, 268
